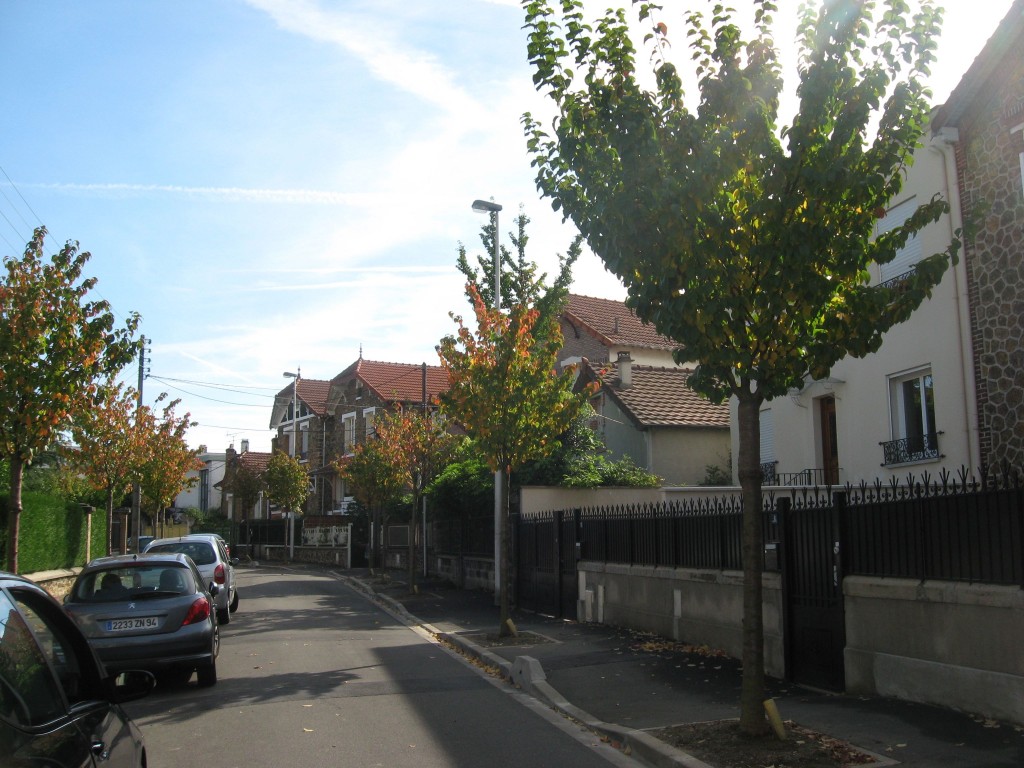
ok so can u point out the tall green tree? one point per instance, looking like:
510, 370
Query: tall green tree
374, 472
745, 241
57, 344
505, 391
287, 481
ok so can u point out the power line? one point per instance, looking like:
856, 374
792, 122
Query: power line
211, 399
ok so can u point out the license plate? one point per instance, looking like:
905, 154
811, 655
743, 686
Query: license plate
141, 622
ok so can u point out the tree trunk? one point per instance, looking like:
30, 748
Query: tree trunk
504, 628
14, 513
752, 695
110, 521
412, 543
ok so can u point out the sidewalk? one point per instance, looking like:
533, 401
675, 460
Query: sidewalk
621, 683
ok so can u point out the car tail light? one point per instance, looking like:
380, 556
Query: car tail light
199, 611
218, 574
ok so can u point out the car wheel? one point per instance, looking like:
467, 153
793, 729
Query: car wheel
206, 675
234, 602
223, 616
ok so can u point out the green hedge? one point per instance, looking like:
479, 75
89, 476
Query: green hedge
52, 533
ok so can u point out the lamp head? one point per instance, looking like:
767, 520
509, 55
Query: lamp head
485, 206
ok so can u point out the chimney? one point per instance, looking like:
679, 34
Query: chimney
245, 446
625, 370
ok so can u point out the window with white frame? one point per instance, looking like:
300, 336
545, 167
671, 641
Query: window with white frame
368, 424
348, 425
912, 415
909, 254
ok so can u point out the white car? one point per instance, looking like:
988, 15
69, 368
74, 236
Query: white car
210, 555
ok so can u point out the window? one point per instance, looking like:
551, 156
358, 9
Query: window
768, 462
912, 406
368, 425
348, 425
909, 254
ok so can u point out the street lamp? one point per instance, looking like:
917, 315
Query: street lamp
485, 206
295, 436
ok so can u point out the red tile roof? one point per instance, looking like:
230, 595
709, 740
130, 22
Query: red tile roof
396, 382
661, 397
254, 461
313, 392
613, 323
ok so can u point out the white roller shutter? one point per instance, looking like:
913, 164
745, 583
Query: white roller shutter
909, 254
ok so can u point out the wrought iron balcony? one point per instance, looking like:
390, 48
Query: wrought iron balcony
768, 473
910, 449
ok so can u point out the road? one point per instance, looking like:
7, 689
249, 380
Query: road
311, 673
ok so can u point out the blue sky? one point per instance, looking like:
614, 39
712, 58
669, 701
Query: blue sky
276, 184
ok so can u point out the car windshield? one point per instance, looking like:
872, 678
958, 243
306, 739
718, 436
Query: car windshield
201, 552
137, 581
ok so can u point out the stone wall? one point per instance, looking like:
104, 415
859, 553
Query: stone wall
988, 156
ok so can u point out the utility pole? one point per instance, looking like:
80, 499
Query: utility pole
136, 488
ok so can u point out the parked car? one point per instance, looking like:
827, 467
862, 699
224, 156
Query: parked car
151, 612
58, 706
210, 555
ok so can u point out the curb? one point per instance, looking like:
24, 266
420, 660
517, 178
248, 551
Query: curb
527, 673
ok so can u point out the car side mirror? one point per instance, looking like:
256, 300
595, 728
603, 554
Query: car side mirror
131, 685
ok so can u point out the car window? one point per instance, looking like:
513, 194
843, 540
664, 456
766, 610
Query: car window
29, 694
200, 551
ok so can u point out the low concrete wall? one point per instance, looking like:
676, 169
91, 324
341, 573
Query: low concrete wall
699, 607
278, 553
466, 572
946, 643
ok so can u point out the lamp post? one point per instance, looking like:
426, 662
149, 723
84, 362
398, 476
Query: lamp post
485, 206
295, 435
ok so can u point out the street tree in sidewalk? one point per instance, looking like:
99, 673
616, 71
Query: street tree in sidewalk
374, 473
109, 449
165, 471
245, 485
420, 445
57, 344
287, 482
507, 394
746, 242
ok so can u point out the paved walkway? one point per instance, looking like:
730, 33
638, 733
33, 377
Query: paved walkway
622, 683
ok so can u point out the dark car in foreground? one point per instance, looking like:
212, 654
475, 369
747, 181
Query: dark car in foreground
58, 706
151, 612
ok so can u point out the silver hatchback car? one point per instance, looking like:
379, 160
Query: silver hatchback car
210, 555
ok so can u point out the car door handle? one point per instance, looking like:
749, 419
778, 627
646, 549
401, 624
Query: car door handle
99, 748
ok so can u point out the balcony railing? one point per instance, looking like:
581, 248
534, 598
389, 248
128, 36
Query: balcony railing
910, 449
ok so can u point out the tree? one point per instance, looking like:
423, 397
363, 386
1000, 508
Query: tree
168, 460
246, 484
375, 474
746, 243
507, 394
420, 446
287, 482
56, 344
109, 449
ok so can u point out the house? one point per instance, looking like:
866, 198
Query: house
240, 501
983, 120
944, 391
205, 493
650, 414
304, 430
644, 408
599, 329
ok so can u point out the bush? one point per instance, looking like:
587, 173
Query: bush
53, 533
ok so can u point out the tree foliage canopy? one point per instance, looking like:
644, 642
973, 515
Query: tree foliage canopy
287, 481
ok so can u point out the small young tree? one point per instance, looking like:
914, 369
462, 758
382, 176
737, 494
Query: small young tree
109, 449
374, 471
56, 345
246, 485
745, 242
505, 391
420, 446
164, 473
287, 484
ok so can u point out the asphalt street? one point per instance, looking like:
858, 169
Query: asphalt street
313, 673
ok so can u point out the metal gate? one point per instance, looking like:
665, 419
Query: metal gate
812, 582
546, 552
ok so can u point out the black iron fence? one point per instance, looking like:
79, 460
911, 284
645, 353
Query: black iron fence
949, 528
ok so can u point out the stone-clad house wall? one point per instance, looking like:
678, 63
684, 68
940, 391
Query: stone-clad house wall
989, 156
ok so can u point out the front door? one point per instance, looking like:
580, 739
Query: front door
829, 441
